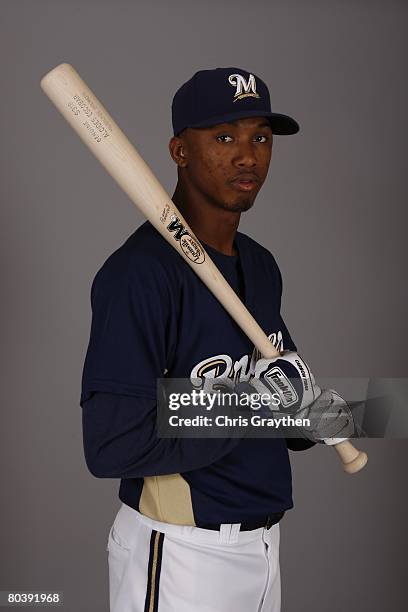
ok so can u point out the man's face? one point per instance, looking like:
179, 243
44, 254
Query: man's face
227, 163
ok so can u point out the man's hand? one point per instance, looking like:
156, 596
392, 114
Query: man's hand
330, 419
288, 380
293, 390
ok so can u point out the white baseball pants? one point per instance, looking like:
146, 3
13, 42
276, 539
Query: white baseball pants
159, 567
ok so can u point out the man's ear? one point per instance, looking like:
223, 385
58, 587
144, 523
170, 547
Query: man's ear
177, 150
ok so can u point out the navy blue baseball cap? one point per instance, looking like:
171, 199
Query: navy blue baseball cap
223, 95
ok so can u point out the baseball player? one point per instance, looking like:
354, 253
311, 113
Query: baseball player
198, 528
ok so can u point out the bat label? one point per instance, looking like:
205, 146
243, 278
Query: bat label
177, 227
97, 128
189, 245
92, 131
165, 213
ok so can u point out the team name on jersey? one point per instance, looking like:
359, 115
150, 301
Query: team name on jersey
226, 371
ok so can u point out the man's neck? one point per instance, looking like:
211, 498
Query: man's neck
213, 226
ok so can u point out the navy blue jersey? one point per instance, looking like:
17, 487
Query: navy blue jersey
152, 316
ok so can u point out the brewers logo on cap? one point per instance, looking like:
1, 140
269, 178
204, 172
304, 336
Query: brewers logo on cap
244, 89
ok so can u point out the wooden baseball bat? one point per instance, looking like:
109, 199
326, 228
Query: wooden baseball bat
94, 125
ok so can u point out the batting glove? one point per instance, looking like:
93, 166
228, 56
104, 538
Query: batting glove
288, 381
293, 390
330, 418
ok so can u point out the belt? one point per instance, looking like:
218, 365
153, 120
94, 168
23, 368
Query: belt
265, 522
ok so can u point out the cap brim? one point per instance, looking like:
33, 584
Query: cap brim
280, 124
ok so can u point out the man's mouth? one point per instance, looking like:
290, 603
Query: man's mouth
244, 183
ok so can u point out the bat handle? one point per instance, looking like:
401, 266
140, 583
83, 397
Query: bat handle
353, 460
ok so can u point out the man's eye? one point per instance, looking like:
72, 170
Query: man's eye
224, 138
261, 138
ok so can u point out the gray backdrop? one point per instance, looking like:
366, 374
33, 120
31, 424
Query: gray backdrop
333, 213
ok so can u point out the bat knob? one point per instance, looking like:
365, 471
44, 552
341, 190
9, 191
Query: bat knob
353, 459
357, 464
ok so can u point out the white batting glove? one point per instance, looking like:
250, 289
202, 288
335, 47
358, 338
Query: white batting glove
288, 381
293, 390
330, 417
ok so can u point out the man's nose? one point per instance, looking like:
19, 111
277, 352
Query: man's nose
245, 155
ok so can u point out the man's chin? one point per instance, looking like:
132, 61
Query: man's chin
238, 206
